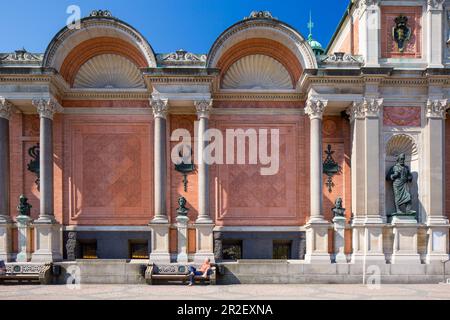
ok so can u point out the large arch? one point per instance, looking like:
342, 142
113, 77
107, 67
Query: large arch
114, 35
262, 34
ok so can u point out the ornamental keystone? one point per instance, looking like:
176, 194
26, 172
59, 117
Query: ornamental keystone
47, 107
203, 108
160, 108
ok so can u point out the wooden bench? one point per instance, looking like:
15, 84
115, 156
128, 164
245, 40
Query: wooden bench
176, 273
27, 272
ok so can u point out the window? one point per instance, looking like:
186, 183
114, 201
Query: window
88, 249
282, 249
138, 249
232, 249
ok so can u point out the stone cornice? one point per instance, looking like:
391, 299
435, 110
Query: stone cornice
436, 109
5, 108
104, 95
203, 108
160, 107
47, 107
315, 108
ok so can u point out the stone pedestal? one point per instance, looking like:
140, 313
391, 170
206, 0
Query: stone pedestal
405, 241
47, 242
367, 242
317, 242
160, 243
6, 241
339, 240
24, 238
437, 248
205, 242
182, 229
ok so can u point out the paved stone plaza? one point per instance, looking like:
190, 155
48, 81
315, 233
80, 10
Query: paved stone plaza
232, 292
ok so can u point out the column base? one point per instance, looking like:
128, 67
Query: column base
45, 219
160, 243
48, 242
317, 241
6, 226
159, 220
405, 240
205, 243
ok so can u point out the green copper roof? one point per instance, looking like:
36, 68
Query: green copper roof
315, 45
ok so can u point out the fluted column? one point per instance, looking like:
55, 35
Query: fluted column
5, 114
437, 222
315, 110
203, 111
6, 223
160, 109
46, 109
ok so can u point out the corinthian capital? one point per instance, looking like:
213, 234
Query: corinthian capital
203, 108
315, 108
436, 109
160, 108
435, 4
372, 107
47, 107
5, 108
356, 111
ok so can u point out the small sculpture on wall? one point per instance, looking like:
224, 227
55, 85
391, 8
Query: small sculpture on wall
401, 33
33, 165
401, 176
330, 168
24, 208
185, 166
182, 210
338, 211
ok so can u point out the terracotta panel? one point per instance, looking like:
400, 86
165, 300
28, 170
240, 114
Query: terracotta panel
402, 116
173, 240
192, 241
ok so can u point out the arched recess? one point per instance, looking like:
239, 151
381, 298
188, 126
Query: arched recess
396, 145
265, 36
71, 48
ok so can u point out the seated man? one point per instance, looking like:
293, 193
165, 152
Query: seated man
204, 271
2, 268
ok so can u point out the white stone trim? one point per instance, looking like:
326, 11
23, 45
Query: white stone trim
315, 108
160, 107
47, 107
203, 108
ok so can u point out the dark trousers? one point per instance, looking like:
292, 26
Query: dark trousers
193, 272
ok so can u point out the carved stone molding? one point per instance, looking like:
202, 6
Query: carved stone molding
260, 15
21, 56
101, 13
47, 107
181, 57
5, 108
367, 108
436, 109
203, 108
315, 108
160, 107
435, 4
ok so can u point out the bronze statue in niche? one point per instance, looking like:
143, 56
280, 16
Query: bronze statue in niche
401, 32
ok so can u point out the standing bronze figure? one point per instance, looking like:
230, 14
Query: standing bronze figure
401, 176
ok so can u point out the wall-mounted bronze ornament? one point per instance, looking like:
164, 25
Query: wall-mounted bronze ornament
401, 33
33, 165
185, 167
330, 168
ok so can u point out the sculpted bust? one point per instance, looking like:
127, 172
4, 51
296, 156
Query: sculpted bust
182, 210
401, 176
338, 211
24, 207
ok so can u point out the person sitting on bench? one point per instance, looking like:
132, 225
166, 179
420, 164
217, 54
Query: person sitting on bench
204, 271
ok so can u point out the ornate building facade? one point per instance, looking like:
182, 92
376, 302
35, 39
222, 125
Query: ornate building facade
86, 137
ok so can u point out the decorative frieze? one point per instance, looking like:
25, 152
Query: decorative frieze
101, 13
181, 57
21, 56
436, 108
160, 107
341, 59
47, 107
5, 108
203, 108
402, 116
260, 15
315, 108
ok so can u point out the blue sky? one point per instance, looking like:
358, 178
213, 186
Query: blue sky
167, 24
